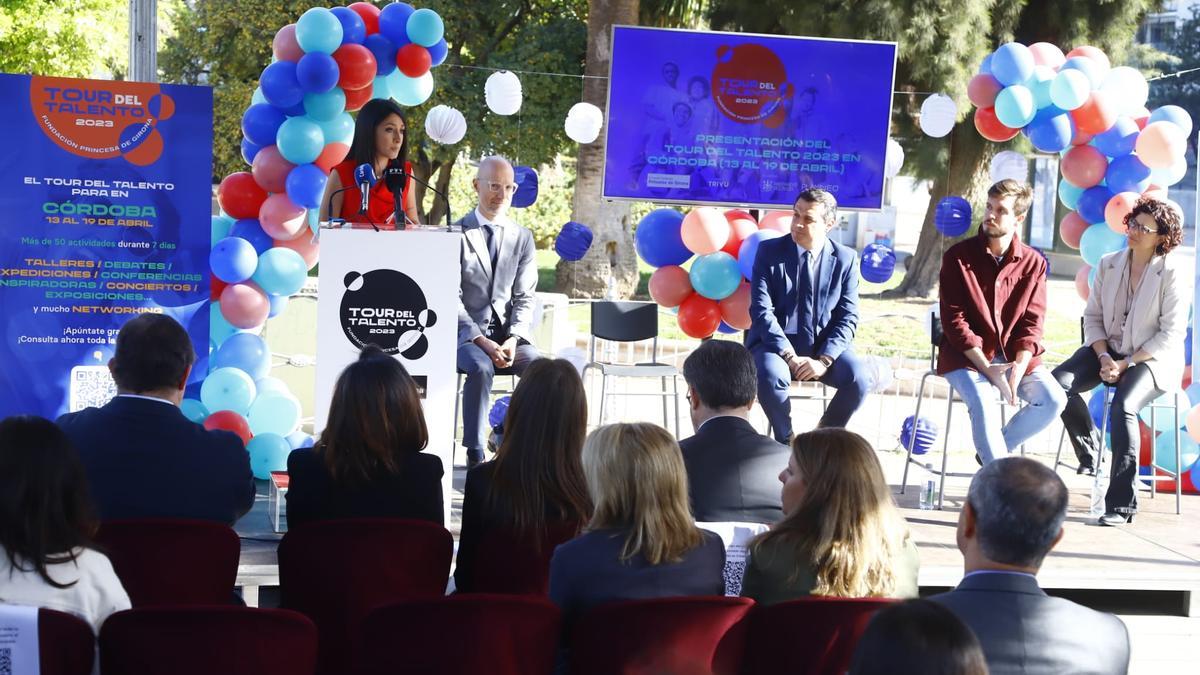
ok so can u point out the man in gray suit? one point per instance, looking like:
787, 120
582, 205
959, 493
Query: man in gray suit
1013, 516
496, 297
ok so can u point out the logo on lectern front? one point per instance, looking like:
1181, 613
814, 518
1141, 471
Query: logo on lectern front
386, 308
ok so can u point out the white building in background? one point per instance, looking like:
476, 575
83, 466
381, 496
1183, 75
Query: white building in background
1158, 27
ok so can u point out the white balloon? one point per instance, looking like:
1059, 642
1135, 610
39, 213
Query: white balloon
445, 125
1009, 164
584, 122
938, 114
1127, 87
502, 93
894, 159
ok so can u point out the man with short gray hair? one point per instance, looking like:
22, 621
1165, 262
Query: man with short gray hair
1013, 516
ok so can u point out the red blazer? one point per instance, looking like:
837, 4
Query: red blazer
380, 205
999, 308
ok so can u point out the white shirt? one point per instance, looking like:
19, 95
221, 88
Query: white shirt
148, 398
740, 417
97, 591
814, 262
502, 221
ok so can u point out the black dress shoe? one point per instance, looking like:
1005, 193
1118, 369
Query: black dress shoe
1085, 470
978, 459
1112, 519
472, 463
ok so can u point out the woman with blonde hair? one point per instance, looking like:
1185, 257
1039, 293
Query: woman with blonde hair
841, 533
641, 541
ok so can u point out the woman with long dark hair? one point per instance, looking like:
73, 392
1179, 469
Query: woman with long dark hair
368, 462
381, 141
532, 497
46, 527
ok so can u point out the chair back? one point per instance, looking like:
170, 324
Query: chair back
172, 561
810, 636
337, 571
510, 564
935, 337
507, 634
66, 645
681, 636
624, 321
193, 640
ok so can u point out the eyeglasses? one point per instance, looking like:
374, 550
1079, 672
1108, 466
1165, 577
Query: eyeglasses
506, 188
1138, 227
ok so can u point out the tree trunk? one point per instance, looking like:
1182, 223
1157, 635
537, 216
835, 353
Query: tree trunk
967, 175
612, 252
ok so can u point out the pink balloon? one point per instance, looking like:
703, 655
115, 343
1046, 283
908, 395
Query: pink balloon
244, 305
670, 285
1084, 166
303, 244
1046, 54
735, 309
270, 169
1193, 423
1081, 281
982, 90
1161, 144
280, 218
1156, 192
704, 230
285, 46
780, 221
1071, 229
741, 225
1117, 208
1094, 53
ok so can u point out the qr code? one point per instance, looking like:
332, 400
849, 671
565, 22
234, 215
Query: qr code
91, 386
6, 667
733, 573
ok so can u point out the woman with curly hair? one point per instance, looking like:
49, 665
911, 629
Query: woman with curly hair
1133, 331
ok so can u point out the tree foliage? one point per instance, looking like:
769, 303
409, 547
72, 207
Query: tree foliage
1183, 89
64, 38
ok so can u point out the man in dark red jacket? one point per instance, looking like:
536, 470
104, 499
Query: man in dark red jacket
993, 304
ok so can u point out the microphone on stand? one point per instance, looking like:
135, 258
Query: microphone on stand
364, 176
438, 193
395, 178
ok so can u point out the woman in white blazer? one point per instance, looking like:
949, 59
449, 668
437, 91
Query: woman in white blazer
1133, 332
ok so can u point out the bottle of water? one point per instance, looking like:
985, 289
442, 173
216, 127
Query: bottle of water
928, 498
1099, 489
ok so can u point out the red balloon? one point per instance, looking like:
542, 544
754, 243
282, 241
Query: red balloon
357, 98
331, 156
699, 317
735, 309
741, 225
982, 90
1081, 282
368, 13
271, 170
1097, 114
413, 60
1071, 229
240, 196
989, 126
215, 287
1187, 377
356, 67
670, 285
1084, 166
1141, 117
1081, 138
227, 420
1145, 435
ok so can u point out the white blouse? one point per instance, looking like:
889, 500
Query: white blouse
97, 591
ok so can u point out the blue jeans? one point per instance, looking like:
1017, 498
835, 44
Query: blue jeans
1038, 388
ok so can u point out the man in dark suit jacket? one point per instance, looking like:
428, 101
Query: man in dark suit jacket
1013, 516
803, 312
733, 471
142, 457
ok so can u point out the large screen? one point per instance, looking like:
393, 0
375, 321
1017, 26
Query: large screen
701, 117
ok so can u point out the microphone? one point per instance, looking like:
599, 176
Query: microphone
395, 178
364, 176
436, 192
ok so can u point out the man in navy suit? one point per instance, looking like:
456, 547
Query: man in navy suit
142, 457
804, 311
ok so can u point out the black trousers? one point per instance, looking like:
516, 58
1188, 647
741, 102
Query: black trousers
1134, 390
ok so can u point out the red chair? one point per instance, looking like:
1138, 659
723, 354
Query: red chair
337, 571
172, 562
193, 640
507, 564
811, 636
66, 645
463, 634
680, 636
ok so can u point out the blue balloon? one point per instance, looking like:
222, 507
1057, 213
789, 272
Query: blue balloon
573, 241
326, 106
317, 72
1096, 408
261, 122
1015, 106
221, 225
1193, 393
246, 352
305, 185
952, 216
425, 27
233, 260
1173, 113
985, 66
725, 328
659, 240
1069, 194
1119, 139
1127, 174
354, 31
268, 452
527, 187
1098, 241
281, 271
877, 263
1051, 134
1092, 202
340, 129
926, 434
319, 30
249, 150
300, 140
1187, 348
1012, 64
1087, 66
279, 305
393, 22
498, 412
715, 276
194, 410
298, 439
250, 230
438, 52
281, 85
274, 413
384, 51
227, 389
748, 251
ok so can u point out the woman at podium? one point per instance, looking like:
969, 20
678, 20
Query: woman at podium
380, 142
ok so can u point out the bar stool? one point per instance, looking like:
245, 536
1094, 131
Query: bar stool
801, 392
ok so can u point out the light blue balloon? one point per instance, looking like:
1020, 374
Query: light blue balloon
281, 271
1164, 446
715, 276
1098, 241
1069, 194
300, 140
298, 439
425, 27
269, 384
257, 97
233, 260
380, 88
219, 329
193, 410
1093, 71
220, 228
1193, 393
1039, 84
1170, 175
318, 30
279, 305
1012, 63
227, 389
1164, 417
274, 413
410, 91
1015, 106
340, 129
1173, 113
268, 452
326, 106
1070, 89
246, 352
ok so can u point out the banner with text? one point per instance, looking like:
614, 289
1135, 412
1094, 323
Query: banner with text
105, 191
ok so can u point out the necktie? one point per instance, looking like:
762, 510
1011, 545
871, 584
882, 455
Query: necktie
489, 234
804, 300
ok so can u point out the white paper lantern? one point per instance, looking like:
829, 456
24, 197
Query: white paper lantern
584, 122
503, 93
1009, 164
445, 125
894, 159
938, 114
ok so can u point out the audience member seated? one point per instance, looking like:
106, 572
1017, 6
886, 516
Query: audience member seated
368, 462
46, 525
532, 497
841, 534
1013, 516
731, 468
641, 542
918, 636
145, 459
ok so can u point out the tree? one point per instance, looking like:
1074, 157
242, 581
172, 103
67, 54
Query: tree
941, 43
1184, 89
63, 37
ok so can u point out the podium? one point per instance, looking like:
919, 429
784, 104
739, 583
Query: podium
397, 289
